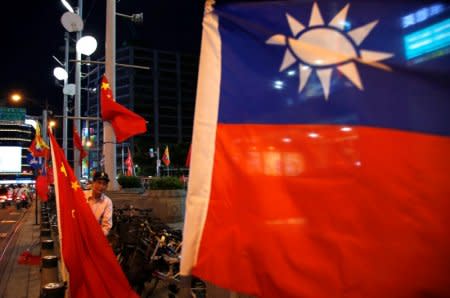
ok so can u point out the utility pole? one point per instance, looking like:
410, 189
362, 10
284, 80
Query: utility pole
76, 156
109, 139
44, 123
65, 100
158, 162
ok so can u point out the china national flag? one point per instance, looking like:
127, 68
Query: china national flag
322, 137
124, 122
166, 157
90, 261
78, 144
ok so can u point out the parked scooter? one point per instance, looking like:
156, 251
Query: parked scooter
9, 199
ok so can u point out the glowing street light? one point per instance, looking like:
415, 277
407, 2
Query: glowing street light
86, 45
16, 97
52, 123
60, 73
67, 6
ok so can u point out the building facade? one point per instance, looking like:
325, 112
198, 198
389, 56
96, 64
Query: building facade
164, 95
16, 134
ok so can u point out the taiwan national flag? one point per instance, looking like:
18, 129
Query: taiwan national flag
34, 162
321, 163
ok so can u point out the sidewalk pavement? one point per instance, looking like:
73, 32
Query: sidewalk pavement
23, 280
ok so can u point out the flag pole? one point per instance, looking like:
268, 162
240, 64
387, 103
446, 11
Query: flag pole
109, 139
123, 162
64, 273
158, 162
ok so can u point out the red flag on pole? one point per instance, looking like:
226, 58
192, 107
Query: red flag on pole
129, 164
90, 261
78, 144
166, 157
42, 187
124, 122
49, 172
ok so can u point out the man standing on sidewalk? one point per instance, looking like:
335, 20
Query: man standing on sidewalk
100, 204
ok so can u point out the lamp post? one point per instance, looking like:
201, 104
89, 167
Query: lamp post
72, 23
77, 108
65, 98
86, 45
61, 74
109, 139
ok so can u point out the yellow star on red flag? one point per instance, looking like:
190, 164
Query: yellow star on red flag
105, 85
75, 185
63, 170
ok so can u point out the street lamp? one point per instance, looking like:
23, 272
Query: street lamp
86, 45
67, 6
16, 97
60, 73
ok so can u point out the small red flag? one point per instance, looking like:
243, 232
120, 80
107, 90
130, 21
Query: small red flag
49, 173
78, 144
129, 164
166, 157
42, 187
90, 261
124, 122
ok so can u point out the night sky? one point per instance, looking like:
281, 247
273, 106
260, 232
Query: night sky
31, 33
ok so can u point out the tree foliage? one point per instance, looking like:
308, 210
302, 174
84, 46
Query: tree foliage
129, 181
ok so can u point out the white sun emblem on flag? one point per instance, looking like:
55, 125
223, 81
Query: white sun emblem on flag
325, 47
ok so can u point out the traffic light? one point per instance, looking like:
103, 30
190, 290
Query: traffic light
151, 152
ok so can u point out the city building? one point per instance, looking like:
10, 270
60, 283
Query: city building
164, 95
16, 134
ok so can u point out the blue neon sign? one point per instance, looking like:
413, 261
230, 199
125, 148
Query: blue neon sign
427, 40
422, 15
